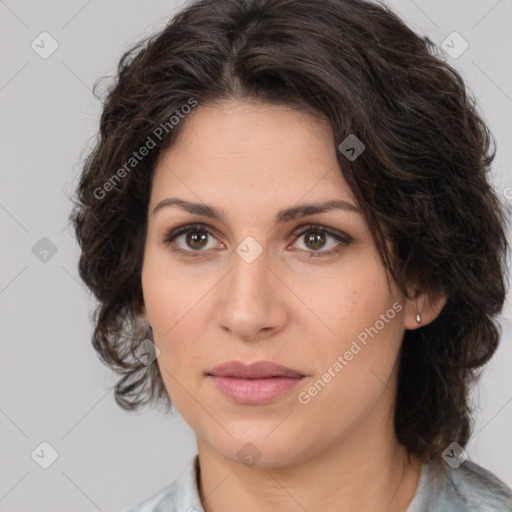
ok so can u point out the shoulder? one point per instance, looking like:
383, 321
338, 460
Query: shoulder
163, 498
181, 495
479, 489
469, 487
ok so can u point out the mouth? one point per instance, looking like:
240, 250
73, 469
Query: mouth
254, 384
258, 370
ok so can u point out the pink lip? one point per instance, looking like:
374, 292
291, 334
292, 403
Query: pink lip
256, 383
258, 370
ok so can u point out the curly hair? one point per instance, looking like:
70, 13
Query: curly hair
422, 181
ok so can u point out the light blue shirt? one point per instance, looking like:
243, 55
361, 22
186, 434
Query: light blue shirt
468, 488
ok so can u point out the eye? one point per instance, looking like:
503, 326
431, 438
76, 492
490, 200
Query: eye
316, 239
197, 238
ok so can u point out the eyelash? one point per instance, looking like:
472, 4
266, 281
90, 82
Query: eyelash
169, 237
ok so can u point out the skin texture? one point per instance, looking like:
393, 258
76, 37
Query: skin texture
338, 451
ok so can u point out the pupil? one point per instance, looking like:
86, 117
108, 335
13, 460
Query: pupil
192, 237
318, 240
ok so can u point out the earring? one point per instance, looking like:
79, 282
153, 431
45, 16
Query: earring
418, 318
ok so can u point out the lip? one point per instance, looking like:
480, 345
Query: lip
256, 383
257, 370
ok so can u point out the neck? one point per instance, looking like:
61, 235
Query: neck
360, 473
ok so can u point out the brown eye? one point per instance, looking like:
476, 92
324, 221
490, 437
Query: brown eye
315, 238
196, 239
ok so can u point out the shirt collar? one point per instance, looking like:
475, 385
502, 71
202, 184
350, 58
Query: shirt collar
187, 497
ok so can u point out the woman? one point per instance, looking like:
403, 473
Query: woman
289, 229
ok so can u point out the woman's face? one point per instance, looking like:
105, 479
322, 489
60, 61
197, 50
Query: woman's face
246, 288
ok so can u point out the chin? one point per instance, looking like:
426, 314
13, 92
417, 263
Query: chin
260, 450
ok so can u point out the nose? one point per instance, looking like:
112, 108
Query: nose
252, 303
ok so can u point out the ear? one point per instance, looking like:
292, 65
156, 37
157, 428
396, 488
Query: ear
427, 305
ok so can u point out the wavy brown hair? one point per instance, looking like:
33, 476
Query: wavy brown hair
422, 180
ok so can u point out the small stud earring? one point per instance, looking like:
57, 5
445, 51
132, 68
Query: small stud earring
418, 318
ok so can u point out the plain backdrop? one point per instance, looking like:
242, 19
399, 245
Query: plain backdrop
53, 388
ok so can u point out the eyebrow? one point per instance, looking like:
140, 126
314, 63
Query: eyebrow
286, 215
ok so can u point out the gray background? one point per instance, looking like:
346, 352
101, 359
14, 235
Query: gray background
52, 386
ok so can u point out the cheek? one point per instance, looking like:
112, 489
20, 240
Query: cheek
360, 321
352, 299
351, 377
170, 296
175, 309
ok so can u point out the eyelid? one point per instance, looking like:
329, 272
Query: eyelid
171, 234
341, 237
320, 227
182, 229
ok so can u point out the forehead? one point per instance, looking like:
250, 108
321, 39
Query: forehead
264, 153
